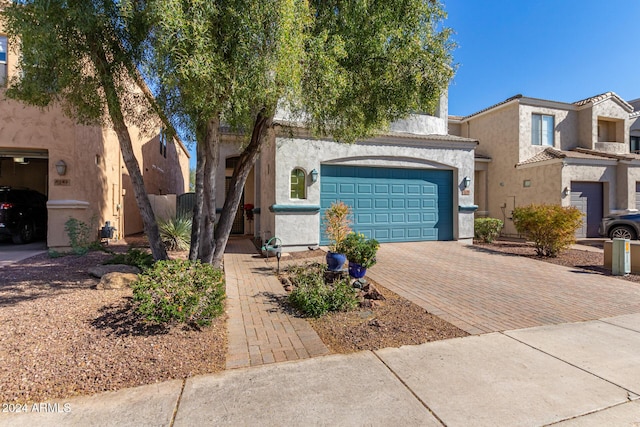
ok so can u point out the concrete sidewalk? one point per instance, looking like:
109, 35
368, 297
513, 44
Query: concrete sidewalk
580, 374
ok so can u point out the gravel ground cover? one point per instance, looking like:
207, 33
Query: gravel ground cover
62, 337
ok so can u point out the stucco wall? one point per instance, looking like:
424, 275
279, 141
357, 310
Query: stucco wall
161, 175
267, 225
610, 109
300, 230
499, 136
565, 134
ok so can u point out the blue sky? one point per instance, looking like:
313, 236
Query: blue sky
561, 50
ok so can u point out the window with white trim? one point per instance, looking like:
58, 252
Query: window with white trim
542, 129
298, 184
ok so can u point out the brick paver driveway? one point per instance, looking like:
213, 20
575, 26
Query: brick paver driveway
481, 291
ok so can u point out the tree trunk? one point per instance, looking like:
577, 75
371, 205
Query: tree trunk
105, 73
247, 159
198, 207
212, 152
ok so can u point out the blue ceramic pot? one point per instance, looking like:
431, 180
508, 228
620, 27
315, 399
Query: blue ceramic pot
335, 261
356, 270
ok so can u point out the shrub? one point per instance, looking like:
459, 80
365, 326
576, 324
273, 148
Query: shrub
314, 298
176, 233
552, 228
81, 236
136, 257
487, 229
180, 291
360, 250
337, 225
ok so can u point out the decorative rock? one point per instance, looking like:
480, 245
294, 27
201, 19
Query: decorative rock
370, 292
288, 288
332, 276
115, 280
100, 270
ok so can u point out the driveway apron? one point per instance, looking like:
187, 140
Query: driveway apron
481, 291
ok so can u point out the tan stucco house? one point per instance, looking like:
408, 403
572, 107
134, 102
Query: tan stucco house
94, 185
540, 151
412, 183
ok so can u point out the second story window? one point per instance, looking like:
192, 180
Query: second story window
634, 146
3, 60
542, 130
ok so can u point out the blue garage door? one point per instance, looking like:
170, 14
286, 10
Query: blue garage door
392, 205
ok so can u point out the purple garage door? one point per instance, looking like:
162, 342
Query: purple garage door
587, 196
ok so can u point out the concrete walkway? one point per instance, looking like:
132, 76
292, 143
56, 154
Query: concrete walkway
260, 329
482, 291
11, 253
581, 374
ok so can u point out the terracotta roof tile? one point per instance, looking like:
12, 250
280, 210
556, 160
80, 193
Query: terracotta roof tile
602, 97
551, 153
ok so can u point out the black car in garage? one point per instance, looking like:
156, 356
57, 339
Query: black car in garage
23, 214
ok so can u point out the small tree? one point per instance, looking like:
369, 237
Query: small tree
552, 228
337, 225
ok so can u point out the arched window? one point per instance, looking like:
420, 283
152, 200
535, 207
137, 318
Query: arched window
298, 187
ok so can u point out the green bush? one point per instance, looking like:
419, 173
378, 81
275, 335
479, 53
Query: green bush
179, 291
136, 257
487, 229
360, 250
314, 298
82, 236
552, 228
176, 233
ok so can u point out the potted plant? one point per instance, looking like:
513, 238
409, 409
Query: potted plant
337, 225
361, 253
248, 211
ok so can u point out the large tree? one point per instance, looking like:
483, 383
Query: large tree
347, 68
82, 55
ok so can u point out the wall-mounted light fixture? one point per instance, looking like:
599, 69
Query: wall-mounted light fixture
61, 167
566, 191
314, 175
466, 182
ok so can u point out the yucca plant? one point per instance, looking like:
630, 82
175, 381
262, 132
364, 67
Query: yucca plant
176, 233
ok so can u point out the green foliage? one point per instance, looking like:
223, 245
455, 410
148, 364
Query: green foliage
133, 256
176, 233
487, 229
64, 49
55, 254
360, 250
82, 236
371, 63
315, 298
552, 228
180, 291
337, 225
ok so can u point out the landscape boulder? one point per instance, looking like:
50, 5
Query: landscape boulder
116, 280
100, 270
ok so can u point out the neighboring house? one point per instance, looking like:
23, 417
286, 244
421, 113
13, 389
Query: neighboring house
539, 151
634, 127
80, 168
413, 183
